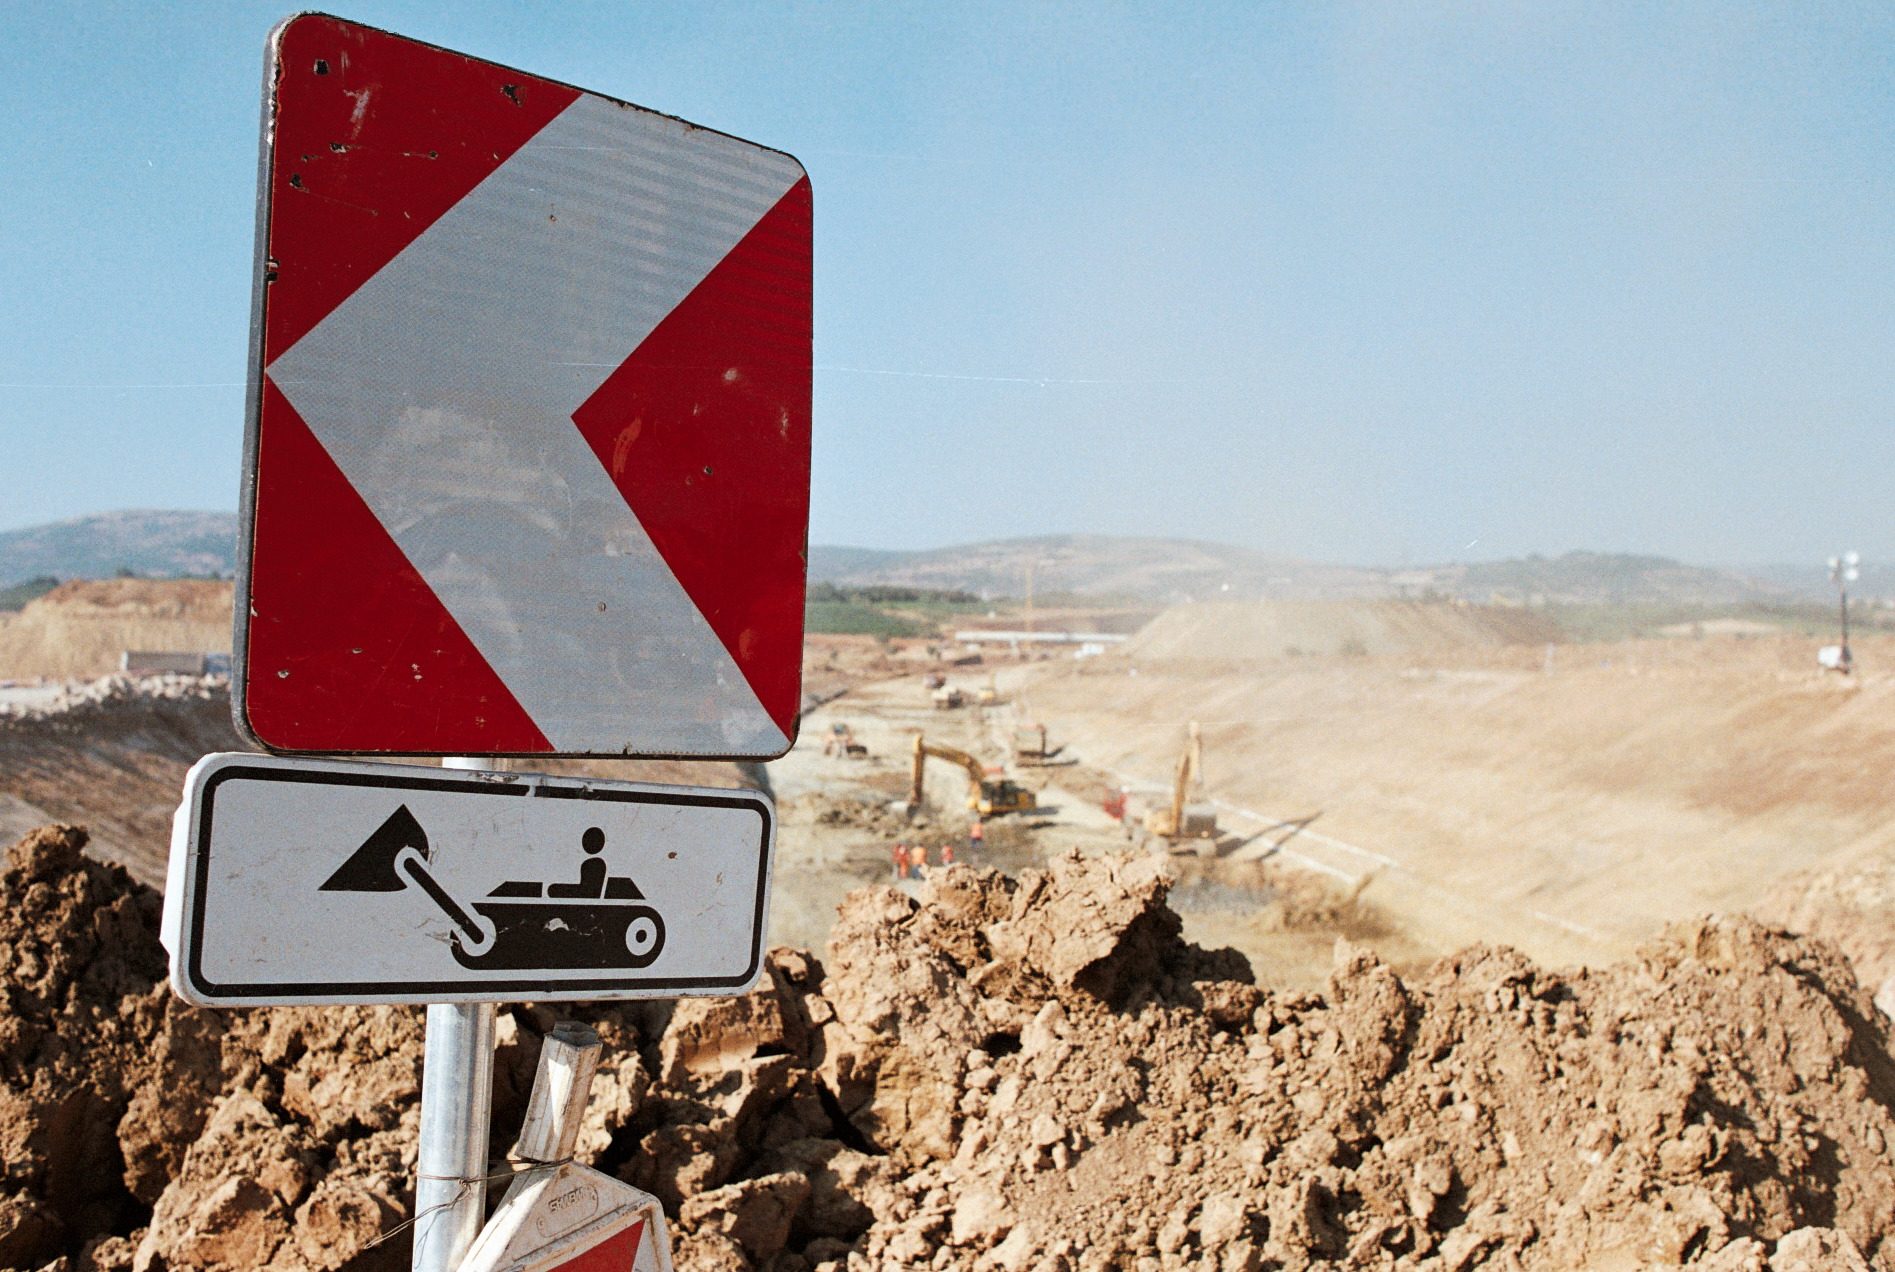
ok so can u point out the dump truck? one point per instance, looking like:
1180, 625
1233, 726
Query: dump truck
987, 795
947, 698
1177, 820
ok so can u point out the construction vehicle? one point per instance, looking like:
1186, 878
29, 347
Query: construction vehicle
987, 795
948, 698
1029, 745
841, 741
1178, 820
988, 695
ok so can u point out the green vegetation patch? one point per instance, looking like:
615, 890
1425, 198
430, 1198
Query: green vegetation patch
882, 609
16, 597
852, 618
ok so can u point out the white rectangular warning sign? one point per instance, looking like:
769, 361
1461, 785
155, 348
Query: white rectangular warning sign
323, 881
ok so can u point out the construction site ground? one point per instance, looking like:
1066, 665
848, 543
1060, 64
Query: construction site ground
1464, 980
1567, 800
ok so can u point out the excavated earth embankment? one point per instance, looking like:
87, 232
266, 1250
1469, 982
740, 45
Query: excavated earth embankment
1008, 1075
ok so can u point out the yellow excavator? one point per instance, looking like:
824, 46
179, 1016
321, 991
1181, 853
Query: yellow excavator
988, 796
1179, 821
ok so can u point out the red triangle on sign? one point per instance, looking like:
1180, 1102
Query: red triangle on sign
349, 648
705, 431
375, 137
617, 1253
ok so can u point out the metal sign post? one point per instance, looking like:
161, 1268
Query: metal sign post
526, 472
456, 1114
456, 1119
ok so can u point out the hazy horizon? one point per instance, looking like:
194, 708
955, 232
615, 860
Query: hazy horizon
1816, 568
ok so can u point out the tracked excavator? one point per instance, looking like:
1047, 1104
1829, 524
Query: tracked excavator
988, 796
1179, 820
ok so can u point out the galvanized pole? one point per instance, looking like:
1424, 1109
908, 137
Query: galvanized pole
1845, 628
456, 1112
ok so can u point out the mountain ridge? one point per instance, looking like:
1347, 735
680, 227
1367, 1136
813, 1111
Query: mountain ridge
1148, 569
150, 541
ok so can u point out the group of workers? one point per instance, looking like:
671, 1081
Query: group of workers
910, 858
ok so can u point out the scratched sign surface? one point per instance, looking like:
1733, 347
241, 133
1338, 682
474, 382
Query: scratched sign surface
325, 881
528, 460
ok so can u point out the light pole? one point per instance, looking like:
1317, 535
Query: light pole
1843, 571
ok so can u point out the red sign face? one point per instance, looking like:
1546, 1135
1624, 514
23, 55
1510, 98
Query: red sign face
528, 468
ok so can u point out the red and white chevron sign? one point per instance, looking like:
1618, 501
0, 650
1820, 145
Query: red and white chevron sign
528, 467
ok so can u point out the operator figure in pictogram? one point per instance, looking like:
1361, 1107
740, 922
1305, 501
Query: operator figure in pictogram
592, 871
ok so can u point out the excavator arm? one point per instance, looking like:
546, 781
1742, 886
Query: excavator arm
924, 749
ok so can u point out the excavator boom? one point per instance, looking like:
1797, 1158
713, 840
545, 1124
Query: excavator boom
1171, 822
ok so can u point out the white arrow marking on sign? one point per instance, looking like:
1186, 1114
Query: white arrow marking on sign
444, 390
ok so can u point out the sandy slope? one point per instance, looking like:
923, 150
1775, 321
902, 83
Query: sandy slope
80, 628
1250, 631
1570, 808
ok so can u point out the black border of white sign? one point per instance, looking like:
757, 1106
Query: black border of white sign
309, 856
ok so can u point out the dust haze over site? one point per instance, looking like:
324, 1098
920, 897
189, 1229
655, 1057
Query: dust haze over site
1368, 285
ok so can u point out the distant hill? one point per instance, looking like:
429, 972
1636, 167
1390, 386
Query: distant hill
1174, 570
145, 541
1590, 578
1162, 570
1810, 581
159, 543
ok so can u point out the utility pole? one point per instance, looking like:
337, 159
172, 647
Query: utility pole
1843, 571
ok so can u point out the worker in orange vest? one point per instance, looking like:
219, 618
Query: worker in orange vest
975, 837
901, 861
947, 854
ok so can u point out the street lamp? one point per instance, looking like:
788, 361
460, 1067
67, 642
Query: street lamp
1843, 571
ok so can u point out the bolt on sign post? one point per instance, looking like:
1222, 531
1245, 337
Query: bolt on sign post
526, 473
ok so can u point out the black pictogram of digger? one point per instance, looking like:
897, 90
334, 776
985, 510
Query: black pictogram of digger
599, 922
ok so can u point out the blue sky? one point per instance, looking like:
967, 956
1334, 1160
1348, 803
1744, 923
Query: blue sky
1381, 283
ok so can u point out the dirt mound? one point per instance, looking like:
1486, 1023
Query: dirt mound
137, 1131
1006, 1075
1852, 906
79, 629
112, 754
1256, 631
1056, 1082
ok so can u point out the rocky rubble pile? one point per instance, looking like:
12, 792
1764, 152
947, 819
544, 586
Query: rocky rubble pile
1010, 1075
1044, 1077
85, 699
138, 1131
